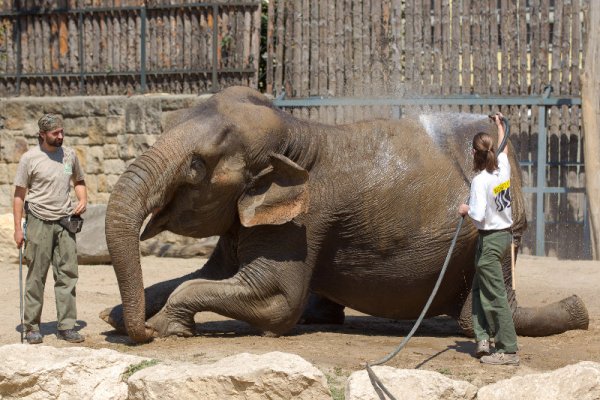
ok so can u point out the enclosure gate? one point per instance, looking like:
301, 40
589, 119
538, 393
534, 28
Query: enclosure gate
543, 102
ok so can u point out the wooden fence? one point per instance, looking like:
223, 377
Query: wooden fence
124, 47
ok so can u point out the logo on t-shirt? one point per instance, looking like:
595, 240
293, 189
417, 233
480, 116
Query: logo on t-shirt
68, 163
502, 193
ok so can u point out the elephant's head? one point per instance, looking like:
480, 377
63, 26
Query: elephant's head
220, 165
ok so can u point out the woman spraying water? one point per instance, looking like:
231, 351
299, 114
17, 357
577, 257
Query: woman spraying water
490, 209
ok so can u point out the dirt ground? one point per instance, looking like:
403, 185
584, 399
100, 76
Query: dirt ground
336, 350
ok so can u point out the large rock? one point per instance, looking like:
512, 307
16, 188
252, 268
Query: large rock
579, 381
409, 384
43, 372
91, 241
243, 376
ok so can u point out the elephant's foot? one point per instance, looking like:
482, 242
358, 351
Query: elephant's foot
114, 317
165, 325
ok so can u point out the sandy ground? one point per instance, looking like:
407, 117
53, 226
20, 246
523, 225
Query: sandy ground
336, 350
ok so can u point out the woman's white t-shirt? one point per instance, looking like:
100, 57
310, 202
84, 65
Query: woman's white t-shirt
490, 202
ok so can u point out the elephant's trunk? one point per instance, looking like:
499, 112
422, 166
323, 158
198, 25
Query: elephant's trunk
137, 191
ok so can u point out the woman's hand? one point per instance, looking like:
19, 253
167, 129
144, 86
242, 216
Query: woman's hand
463, 209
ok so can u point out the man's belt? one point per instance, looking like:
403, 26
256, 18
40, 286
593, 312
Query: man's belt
489, 231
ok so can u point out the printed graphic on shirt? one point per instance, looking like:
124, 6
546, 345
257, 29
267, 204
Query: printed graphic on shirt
502, 193
68, 163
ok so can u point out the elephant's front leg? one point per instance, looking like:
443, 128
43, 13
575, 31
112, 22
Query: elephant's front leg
267, 295
219, 266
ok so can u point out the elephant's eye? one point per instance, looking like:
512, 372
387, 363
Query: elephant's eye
197, 170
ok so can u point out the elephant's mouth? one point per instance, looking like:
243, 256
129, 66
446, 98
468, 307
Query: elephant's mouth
155, 225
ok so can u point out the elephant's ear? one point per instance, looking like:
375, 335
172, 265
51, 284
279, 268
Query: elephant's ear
277, 194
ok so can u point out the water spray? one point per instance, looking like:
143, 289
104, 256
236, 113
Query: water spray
380, 389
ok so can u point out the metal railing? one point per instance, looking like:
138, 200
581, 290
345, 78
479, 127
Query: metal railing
143, 72
543, 102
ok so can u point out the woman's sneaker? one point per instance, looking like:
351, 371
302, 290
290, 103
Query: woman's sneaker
501, 359
70, 336
483, 348
34, 337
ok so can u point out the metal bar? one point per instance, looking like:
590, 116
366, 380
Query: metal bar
559, 190
215, 83
446, 100
81, 60
540, 229
143, 17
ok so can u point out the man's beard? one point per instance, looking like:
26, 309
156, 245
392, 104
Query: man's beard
54, 142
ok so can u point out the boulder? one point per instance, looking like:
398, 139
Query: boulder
43, 372
579, 381
243, 376
91, 241
408, 384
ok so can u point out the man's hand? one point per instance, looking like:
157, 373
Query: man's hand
463, 209
19, 238
80, 208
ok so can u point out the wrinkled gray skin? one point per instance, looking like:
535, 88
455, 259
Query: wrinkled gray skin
361, 215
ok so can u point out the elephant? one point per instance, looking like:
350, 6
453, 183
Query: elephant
357, 215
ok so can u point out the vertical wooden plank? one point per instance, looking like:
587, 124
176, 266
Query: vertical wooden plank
327, 73
255, 46
454, 51
305, 61
465, 75
396, 76
339, 57
574, 71
493, 61
290, 60
269, 79
357, 52
446, 42
437, 47
565, 48
480, 74
313, 88
417, 79
378, 49
297, 50
73, 30
409, 44
366, 53
504, 47
513, 49
544, 43
281, 23
523, 75
427, 57
534, 36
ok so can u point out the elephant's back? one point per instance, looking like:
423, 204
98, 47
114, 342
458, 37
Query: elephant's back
385, 239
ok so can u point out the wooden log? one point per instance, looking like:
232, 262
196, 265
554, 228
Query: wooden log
269, 78
313, 48
279, 49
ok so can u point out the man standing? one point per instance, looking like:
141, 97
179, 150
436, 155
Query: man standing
45, 173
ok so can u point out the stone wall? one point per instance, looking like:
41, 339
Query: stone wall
107, 132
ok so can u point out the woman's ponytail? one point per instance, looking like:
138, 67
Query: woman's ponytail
485, 153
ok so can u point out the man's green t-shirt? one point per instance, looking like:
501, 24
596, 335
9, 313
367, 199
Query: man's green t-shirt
47, 176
